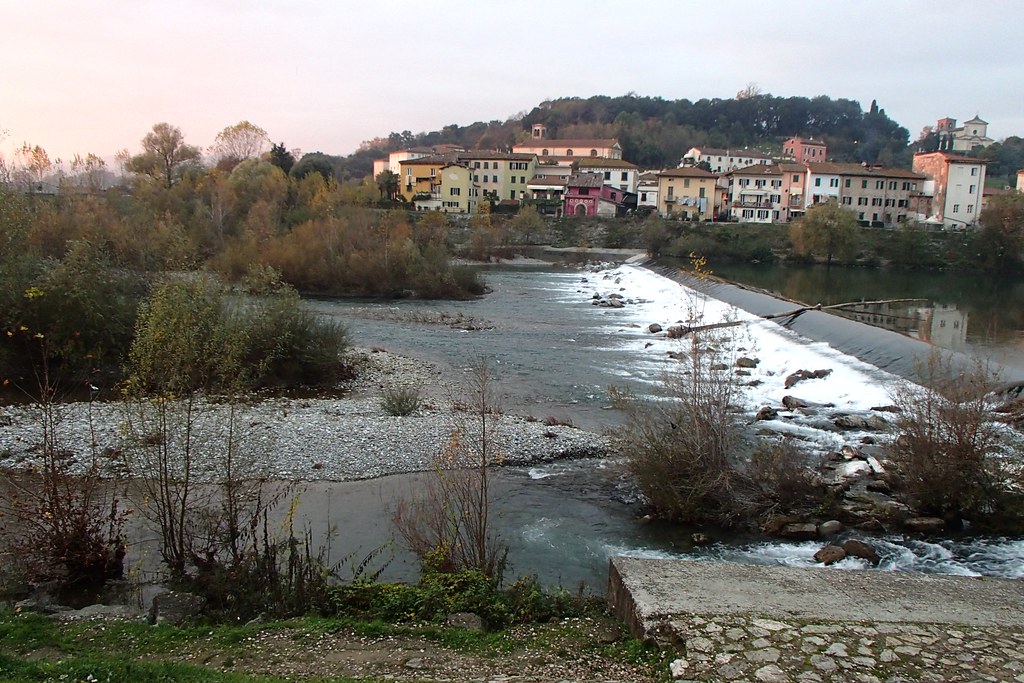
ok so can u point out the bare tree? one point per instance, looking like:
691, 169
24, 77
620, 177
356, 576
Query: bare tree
164, 154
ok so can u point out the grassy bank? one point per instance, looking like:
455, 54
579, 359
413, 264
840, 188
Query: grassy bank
34, 648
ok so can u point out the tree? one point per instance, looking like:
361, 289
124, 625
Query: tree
281, 157
35, 164
826, 230
388, 184
239, 142
164, 155
313, 162
1001, 239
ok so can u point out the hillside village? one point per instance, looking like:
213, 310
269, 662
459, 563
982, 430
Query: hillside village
944, 189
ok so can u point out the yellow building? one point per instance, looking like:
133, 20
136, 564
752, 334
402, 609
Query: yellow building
419, 177
688, 193
457, 192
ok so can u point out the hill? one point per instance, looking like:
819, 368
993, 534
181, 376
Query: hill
656, 132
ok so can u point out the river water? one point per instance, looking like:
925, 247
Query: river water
556, 355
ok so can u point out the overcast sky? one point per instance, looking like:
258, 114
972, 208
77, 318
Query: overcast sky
79, 76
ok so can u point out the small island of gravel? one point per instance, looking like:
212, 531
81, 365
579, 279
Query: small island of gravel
342, 438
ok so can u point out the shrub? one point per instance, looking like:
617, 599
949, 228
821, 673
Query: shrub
683, 447
781, 480
952, 457
400, 401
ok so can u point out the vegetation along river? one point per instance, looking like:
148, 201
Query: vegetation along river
556, 355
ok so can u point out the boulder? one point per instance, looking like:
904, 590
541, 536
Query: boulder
675, 331
743, 373
830, 554
794, 403
801, 375
615, 295
616, 303
766, 413
925, 525
654, 328
176, 608
719, 366
865, 422
744, 362
855, 548
830, 528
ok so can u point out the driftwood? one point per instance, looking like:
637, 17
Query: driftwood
681, 331
792, 315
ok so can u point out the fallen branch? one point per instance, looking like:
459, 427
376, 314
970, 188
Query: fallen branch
849, 304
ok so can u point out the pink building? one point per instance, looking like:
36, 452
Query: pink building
804, 151
587, 195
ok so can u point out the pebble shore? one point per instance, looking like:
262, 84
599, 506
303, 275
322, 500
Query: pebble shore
331, 439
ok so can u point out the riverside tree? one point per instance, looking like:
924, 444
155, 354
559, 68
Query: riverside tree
826, 230
164, 155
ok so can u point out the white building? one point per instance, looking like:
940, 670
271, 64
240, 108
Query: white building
724, 160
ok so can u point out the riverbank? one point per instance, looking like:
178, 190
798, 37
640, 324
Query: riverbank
305, 439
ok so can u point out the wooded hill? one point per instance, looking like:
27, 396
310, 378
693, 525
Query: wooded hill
655, 132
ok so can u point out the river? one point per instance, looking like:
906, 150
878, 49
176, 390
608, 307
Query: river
556, 355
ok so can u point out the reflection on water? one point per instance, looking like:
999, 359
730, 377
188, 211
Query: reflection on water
977, 313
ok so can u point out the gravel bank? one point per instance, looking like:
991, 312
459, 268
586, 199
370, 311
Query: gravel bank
334, 439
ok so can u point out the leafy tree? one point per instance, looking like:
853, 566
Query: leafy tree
314, 162
241, 141
164, 155
388, 184
1001, 239
826, 230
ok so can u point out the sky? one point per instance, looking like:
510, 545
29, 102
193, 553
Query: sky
79, 76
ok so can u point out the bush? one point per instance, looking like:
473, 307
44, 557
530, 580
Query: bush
952, 459
683, 448
782, 481
400, 401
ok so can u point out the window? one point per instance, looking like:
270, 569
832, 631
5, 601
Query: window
568, 152
833, 182
487, 164
862, 201
476, 164
847, 182
408, 171
702, 192
586, 191
433, 172
512, 195
744, 182
892, 185
902, 203
625, 175
759, 183
776, 184
817, 182
796, 177
686, 182
876, 201
643, 196
956, 208
522, 180
974, 170
890, 202
455, 191
775, 215
846, 200
512, 180
863, 184
861, 215
879, 184
593, 152
607, 175
970, 208
973, 188
544, 152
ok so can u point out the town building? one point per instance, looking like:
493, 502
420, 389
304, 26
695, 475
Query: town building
394, 160
647, 191
804, 151
966, 138
755, 194
955, 184
688, 193
723, 160
617, 172
501, 175
548, 150
586, 194
1020, 180
547, 191
438, 183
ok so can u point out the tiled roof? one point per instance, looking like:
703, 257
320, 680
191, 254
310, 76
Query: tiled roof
830, 168
955, 158
601, 162
581, 142
715, 152
686, 172
757, 169
474, 154
554, 180
585, 180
